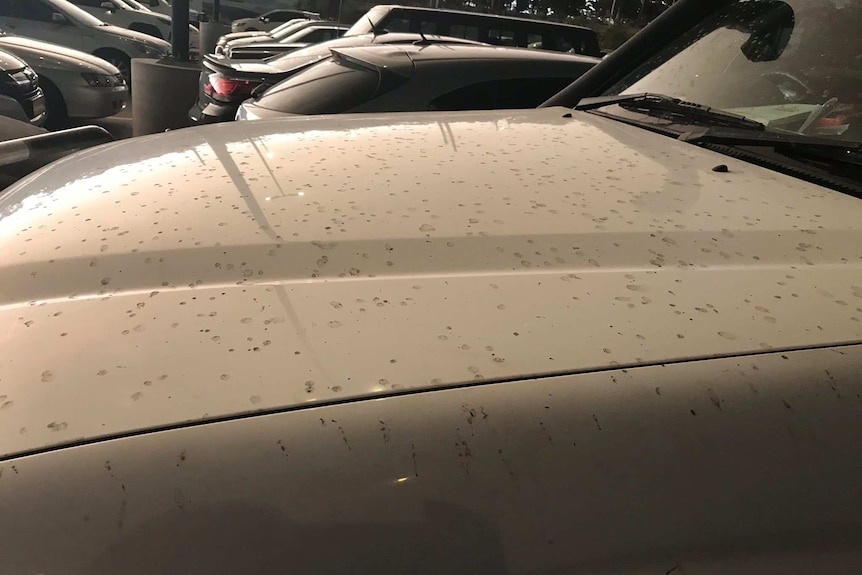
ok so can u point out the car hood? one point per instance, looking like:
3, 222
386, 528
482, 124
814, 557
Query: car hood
160, 17
240, 35
229, 269
44, 55
136, 36
10, 61
268, 46
251, 40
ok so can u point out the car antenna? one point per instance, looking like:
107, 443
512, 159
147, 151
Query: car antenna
373, 28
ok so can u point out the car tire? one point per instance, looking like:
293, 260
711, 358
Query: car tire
122, 62
58, 115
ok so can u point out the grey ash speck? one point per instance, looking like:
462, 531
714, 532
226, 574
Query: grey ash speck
713, 397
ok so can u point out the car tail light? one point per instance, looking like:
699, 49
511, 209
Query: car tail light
228, 89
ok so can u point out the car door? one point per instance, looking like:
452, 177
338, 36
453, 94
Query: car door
35, 19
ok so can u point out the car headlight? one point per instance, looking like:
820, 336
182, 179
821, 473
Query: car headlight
101, 80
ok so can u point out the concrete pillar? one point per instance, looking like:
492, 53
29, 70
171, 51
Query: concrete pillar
210, 33
180, 30
164, 91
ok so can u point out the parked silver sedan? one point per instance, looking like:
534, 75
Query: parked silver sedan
76, 84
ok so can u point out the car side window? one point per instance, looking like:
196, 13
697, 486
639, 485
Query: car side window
319, 35
501, 94
534, 41
33, 10
428, 27
501, 37
280, 16
466, 32
398, 25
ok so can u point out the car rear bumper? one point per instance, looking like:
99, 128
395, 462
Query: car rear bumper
211, 112
36, 110
91, 102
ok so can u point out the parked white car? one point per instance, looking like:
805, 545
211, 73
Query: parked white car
162, 7
76, 84
623, 339
63, 23
21, 98
293, 32
120, 13
271, 20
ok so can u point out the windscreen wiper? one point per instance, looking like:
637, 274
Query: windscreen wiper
649, 102
831, 163
786, 143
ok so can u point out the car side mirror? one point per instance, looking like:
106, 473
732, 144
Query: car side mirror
264, 19
106, 6
58, 18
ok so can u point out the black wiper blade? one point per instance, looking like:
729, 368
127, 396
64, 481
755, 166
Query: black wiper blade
788, 143
660, 102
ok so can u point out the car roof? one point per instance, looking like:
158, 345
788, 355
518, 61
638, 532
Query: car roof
323, 48
237, 269
385, 55
481, 14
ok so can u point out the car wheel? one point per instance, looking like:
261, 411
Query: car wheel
121, 61
58, 116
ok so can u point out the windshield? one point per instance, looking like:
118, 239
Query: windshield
773, 61
135, 5
73, 12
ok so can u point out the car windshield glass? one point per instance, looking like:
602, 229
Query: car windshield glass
367, 21
135, 5
789, 64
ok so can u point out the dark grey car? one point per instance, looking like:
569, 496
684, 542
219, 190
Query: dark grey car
416, 77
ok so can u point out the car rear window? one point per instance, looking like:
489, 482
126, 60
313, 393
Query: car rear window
330, 87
